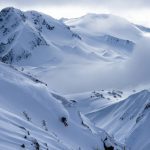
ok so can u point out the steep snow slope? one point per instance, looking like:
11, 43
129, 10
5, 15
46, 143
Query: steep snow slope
92, 101
127, 120
32, 117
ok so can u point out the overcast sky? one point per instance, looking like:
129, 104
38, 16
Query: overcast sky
137, 11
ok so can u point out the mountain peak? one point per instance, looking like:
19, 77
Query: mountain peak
9, 10
13, 13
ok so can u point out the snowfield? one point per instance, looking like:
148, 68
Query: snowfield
48, 67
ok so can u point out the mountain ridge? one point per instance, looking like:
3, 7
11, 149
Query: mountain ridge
39, 31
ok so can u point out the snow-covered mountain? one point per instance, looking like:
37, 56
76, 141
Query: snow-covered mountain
55, 47
107, 31
97, 24
26, 36
39, 53
37, 38
127, 120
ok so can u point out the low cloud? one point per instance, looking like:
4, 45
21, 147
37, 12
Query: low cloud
133, 73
